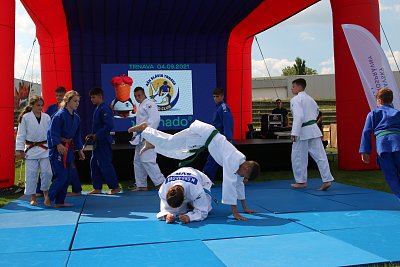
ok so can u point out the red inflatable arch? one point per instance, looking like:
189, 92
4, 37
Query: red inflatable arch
52, 33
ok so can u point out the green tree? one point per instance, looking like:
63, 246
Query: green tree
299, 68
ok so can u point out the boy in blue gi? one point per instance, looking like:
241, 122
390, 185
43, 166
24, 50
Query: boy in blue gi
384, 122
223, 122
101, 162
63, 137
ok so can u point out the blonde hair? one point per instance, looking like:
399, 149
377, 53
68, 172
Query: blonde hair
32, 101
68, 97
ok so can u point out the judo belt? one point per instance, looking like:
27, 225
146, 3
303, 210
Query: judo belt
31, 144
197, 151
68, 143
209, 193
310, 122
386, 132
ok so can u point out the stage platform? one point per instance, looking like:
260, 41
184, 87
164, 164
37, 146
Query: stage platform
343, 226
271, 154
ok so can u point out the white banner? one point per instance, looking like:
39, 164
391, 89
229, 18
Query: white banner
371, 62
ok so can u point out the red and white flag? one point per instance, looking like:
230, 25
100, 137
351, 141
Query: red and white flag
371, 62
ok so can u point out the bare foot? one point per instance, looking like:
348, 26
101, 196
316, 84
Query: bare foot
146, 146
325, 186
137, 189
64, 205
299, 185
138, 128
94, 192
47, 202
33, 203
114, 191
73, 194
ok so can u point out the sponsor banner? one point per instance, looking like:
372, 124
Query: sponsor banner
371, 62
182, 92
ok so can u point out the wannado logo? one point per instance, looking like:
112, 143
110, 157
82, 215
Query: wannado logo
161, 89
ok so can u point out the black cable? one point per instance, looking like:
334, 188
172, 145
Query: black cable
394, 58
265, 63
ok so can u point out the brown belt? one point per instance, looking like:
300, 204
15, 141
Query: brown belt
31, 144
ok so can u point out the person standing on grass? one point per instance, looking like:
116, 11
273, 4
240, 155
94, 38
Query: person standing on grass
31, 145
306, 137
384, 123
63, 137
101, 166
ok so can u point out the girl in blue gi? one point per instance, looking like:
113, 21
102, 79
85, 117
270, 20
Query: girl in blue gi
384, 122
63, 137
101, 161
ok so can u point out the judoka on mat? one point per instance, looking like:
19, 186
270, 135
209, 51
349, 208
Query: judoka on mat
235, 167
185, 196
31, 144
306, 137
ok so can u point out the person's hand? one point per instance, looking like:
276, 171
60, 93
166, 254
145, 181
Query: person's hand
169, 218
61, 149
293, 137
184, 218
365, 158
81, 154
19, 155
130, 130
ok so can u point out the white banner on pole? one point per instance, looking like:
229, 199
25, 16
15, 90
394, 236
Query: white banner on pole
371, 62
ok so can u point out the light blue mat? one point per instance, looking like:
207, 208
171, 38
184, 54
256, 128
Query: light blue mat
32, 239
53, 259
383, 241
185, 253
302, 249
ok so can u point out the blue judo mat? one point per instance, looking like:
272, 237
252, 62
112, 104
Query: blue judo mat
345, 225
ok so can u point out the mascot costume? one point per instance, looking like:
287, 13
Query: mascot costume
122, 105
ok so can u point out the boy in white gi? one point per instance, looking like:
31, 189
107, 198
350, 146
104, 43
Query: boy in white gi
146, 163
186, 193
31, 145
198, 136
306, 137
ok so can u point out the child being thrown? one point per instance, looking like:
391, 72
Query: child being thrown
200, 135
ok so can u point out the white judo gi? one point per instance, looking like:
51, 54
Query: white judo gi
36, 158
225, 154
146, 164
308, 139
194, 182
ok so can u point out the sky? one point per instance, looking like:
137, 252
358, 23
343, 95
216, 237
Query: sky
307, 35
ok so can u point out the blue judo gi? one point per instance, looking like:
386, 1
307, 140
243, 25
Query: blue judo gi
62, 125
223, 122
384, 122
75, 181
101, 162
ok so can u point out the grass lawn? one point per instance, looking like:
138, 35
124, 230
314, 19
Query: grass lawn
368, 179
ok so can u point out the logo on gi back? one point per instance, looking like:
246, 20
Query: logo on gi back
163, 90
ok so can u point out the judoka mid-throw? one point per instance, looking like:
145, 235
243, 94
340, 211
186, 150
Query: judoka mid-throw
236, 170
